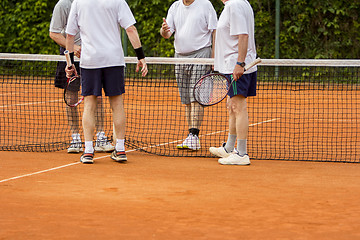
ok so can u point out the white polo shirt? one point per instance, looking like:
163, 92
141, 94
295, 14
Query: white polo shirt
98, 23
193, 25
236, 18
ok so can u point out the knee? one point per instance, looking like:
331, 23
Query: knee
237, 107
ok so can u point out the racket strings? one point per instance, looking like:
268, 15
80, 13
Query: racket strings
72, 94
211, 89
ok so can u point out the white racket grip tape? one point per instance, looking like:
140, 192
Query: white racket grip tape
253, 63
68, 60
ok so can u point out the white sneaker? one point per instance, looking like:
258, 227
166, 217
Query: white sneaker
75, 146
103, 145
220, 151
235, 159
191, 142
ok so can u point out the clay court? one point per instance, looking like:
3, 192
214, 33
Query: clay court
53, 196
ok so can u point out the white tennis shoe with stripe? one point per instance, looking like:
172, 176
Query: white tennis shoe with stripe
103, 145
191, 142
235, 159
75, 146
219, 151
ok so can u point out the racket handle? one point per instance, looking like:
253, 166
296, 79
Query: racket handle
68, 60
253, 63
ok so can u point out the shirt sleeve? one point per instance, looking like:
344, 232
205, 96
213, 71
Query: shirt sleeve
212, 17
170, 18
58, 19
125, 16
238, 20
72, 23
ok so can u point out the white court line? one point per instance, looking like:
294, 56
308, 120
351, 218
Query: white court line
333, 120
4, 94
30, 103
51, 169
14, 93
35, 173
267, 121
209, 134
72, 164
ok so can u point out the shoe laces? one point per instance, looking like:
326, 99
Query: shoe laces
193, 136
101, 139
237, 153
75, 141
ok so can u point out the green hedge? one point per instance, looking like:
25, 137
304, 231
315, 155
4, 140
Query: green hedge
309, 29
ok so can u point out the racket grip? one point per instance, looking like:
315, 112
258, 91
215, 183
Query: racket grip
253, 63
68, 59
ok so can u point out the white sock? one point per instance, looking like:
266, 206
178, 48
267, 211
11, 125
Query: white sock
230, 143
120, 145
89, 148
241, 146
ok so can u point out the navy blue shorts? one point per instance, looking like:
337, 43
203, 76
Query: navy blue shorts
109, 78
245, 86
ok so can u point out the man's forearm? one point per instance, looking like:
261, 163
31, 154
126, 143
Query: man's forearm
242, 47
58, 38
70, 43
213, 44
133, 36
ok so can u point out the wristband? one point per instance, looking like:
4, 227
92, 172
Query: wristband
139, 53
72, 57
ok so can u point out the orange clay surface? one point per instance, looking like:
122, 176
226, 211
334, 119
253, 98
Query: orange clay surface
154, 197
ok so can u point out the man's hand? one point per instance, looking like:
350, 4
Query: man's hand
165, 26
238, 72
141, 63
77, 51
70, 71
165, 29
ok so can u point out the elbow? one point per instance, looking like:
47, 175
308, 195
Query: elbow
131, 29
51, 35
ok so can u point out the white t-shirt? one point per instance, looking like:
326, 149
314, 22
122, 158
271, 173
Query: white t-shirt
236, 18
193, 25
98, 23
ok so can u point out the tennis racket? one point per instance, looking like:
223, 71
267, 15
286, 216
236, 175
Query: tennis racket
72, 91
212, 88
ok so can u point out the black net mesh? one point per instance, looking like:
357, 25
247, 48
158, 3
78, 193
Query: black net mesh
300, 112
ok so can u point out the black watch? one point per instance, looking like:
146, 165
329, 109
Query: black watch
242, 64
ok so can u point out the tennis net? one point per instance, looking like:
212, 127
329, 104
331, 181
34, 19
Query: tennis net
304, 109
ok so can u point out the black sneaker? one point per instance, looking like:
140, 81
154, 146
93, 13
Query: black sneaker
87, 158
119, 156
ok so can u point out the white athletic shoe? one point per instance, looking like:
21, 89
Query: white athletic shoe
75, 146
235, 159
191, 142
103, 145
220, 151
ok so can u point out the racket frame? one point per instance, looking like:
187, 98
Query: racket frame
248, 66
199, 82
69, 64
